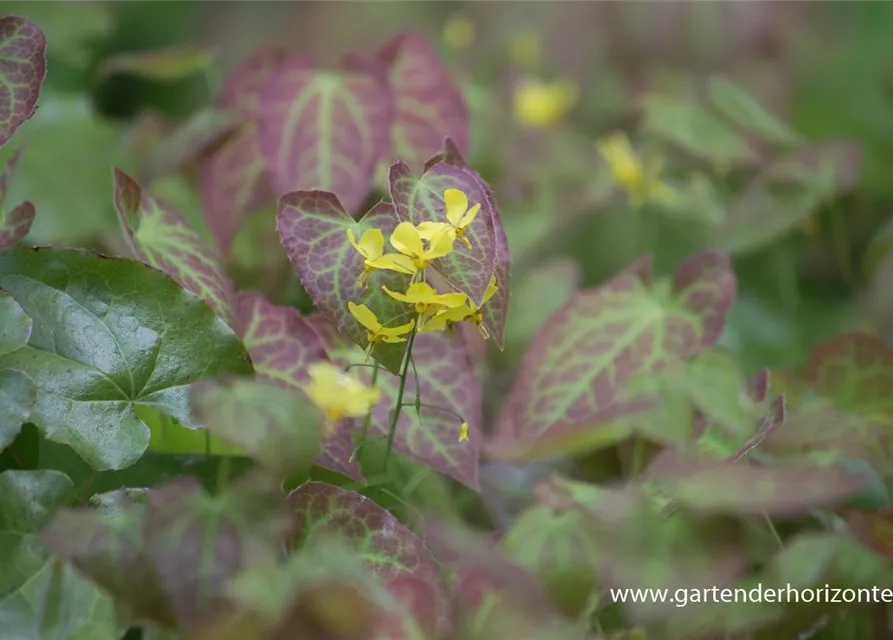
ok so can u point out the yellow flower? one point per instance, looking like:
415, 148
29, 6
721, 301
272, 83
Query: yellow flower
371, 247
463, 432
458, 32
640, 179
408, 240
469, 312
457, 213
426, 299
525, 49
375, 331
541, 104
337, 394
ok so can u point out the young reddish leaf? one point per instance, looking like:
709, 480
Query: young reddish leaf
164, 240
281, 344
388, 548
584, 356
313, 227
429, 107
22, 70
234, 178
173, 63
14, 224
326, 130
421, 199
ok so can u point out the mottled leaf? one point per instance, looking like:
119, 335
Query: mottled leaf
234, 178
173, 63
540, 293
742, 109
326, 130
109, 334
22, 70
15, 325
421, 199
429, 106
161, 238
39, 596
17, 397
388, 548
313, 226
583, 357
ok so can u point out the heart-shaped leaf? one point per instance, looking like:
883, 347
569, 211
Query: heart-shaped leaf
429, 106
163, 239
313, 226
326, 130
109, 334
234, 178
23, 54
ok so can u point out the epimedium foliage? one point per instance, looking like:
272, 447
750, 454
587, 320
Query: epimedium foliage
140, 368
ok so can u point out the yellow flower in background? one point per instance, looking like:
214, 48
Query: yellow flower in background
640, 179
540, 104
468, 312
463, 432
457, 213
458, 32
425, 298
371, 247
525, 49
375, 331
337, 394
409, 241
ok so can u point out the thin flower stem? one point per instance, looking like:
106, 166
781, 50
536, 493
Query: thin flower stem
434, 406
368, 421
374, 365
399, 404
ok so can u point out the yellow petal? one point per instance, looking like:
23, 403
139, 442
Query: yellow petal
469, 216
440, 245
451, 300
393, 339
463, 432
364, 316
456, 203
417, 292
396, 295
388, 332
430, 229
353, 241
406, 239
372, 244
394, 262
491, 290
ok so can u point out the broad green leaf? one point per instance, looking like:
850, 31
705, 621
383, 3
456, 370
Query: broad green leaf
173, 63
234, 177
275, 425
583, 357
313, 226
281, 344
742, 109
17, 397
42, 597
393, 552
23, 51
110, 334
326, 130
161, 237
16, 222
429, 106
874, 494
15, 325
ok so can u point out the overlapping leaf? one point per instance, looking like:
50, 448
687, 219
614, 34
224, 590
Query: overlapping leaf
15, 325
173, 63
15, 223
34, 588
17, 397
388, 548
109, 334
22, 69
326, 130
581, 360
162, 238
313, 226
234, 178
741, 108
282, 343
429, 107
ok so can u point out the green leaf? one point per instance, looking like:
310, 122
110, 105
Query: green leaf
23, 51
17, 397
14, 223
15, 325
41, 597
173, 63
110, 334
742, 109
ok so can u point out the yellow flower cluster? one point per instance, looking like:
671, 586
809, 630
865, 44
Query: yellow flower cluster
539, 104
640, 178
337, 394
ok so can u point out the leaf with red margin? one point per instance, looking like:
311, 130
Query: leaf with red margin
583, 357
162, 238
447, 380
234, 178
281, 344
313, 227
14, 224
421, 199
855, 372
429, 106
22, 70
326, 130
496, 310
324, 512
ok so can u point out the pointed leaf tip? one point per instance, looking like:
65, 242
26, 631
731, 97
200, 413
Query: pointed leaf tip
23, 50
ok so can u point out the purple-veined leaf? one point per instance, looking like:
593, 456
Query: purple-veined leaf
162, 238
281, 344
421, 199
22, 70
234, 178
584, 356
429, 106
15, 223
387, 547
326, 130
313, 227
172, 63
